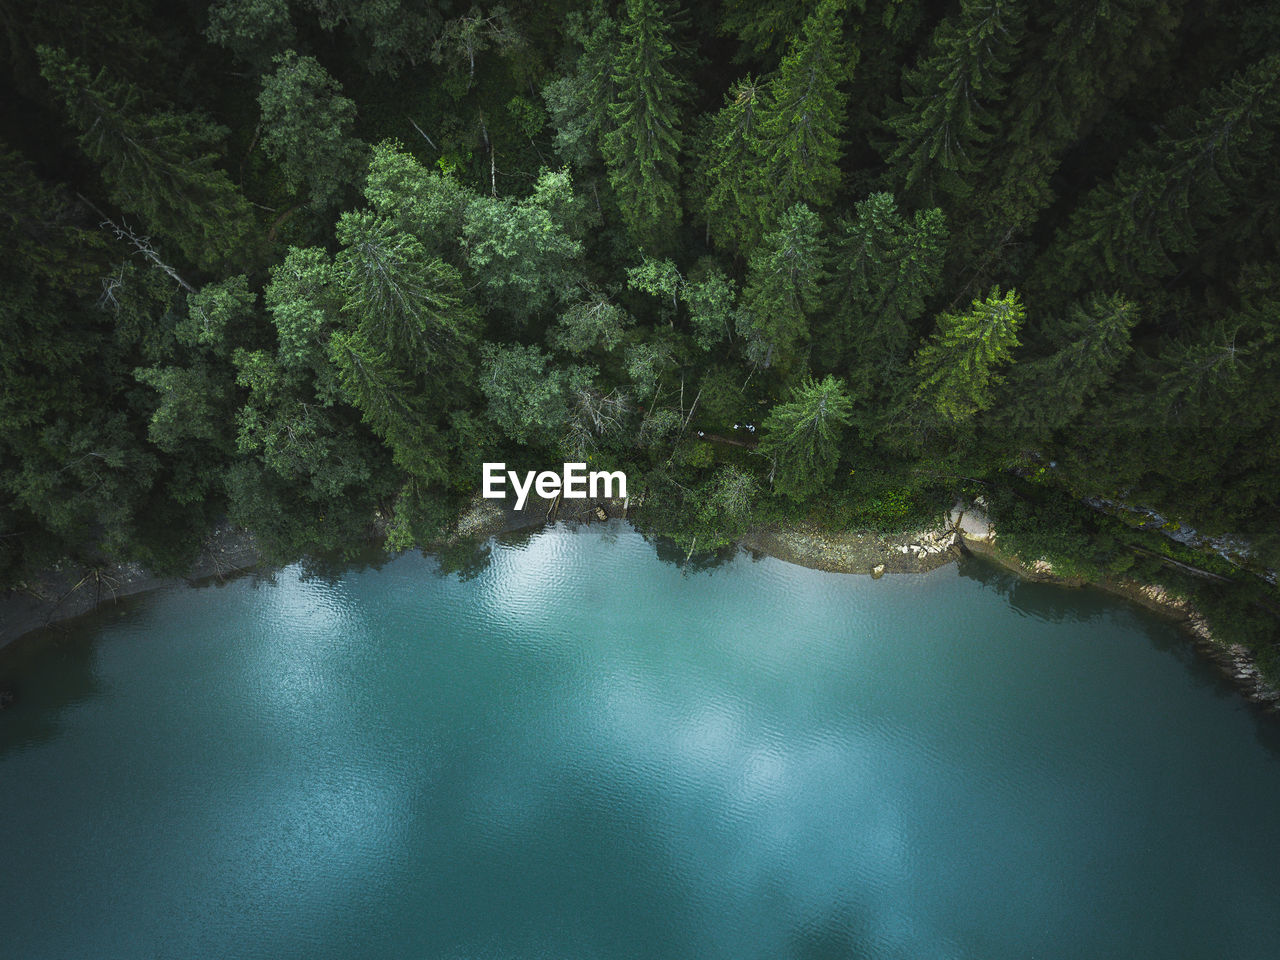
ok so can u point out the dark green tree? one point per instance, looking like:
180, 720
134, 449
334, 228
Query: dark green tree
946, 122
801, 438
802, 121
885, 268
642, 150
159, 165
784, 286
1128, 230
1046, 394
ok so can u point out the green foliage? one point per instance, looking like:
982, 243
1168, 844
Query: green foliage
641, 150
578, 103
306, 125
1049, 392
251, 29
727, 175
403, 299
958, 367
710, 297
520, 250
802, 122
159, 165
590, 322
801, 438
1166, 194
528, 401
464, 39
885, 269
946, 122
784, 285
776, 144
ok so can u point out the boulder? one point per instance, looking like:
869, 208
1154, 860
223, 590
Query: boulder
974, 525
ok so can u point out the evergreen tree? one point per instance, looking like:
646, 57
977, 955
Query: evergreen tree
945, 124
253, 30
762, 28
1078, 57
158, 165
801, 437
1164, 195
784, 286
642, 149
579, 102
801, 124
405, 301
1046, 394
957, 368
727, 174
885, 269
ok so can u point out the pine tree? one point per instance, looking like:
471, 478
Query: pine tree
253, 30
958, 367
1128, 230
947, 120
727, 173
579, 102
884, 269
402, 300
1047, 394
1079, 57
801, 124
762, 28
784, 286
642, 150
158, 165
801, 437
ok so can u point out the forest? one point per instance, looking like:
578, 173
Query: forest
303, 265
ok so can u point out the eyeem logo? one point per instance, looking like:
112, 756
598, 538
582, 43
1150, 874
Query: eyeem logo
574, 483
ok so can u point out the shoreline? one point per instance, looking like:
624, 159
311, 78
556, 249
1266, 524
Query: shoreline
61, 595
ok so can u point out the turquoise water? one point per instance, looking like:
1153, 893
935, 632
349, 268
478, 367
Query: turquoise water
582, 752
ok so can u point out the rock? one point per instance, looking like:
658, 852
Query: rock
974, 525
877, 571
1042, 567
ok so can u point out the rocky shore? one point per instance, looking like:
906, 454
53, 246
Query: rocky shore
965, 529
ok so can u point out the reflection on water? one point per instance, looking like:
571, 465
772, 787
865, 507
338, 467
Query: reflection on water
564, 747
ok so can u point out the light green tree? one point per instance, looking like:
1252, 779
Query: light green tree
959, 365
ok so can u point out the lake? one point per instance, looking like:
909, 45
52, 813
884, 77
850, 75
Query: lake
579, 751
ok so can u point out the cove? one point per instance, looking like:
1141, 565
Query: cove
581, 751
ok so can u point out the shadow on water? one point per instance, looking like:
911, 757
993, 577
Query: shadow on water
668, 551
1042, 601
50, 671
467, 560
1062, 604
